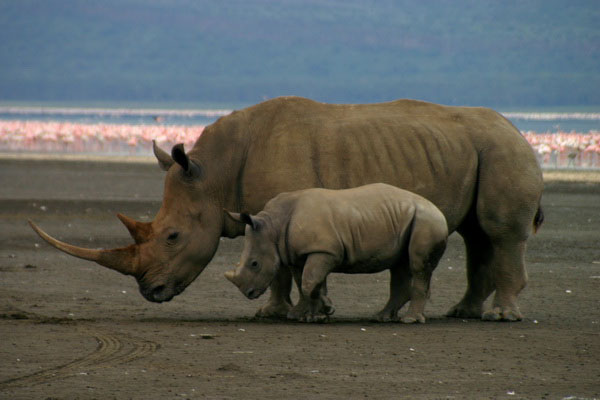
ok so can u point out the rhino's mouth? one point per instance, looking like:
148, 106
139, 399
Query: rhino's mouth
254, 293
162, 293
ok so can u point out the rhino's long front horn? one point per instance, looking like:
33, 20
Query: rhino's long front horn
122, 259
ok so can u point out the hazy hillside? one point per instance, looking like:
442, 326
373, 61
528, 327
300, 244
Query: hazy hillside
499, 53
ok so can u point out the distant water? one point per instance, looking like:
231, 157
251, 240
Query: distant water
581, 122
132, 116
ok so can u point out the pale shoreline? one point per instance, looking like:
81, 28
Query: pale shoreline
549, 175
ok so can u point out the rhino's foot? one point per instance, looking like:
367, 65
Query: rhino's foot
502, 314
413, 318
327, 307
314, 318
463, 310
300, 310
386, 316
274, 310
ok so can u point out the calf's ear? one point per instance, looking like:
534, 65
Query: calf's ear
243, 218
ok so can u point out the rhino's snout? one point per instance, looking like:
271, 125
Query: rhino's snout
242, 284
254, 293
158, 294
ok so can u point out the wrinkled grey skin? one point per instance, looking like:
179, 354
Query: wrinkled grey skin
472, 163
362, 230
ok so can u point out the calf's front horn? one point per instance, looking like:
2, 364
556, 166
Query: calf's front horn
230, 275
122, 259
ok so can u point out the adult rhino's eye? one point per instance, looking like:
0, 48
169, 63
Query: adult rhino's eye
173, 236
254, 264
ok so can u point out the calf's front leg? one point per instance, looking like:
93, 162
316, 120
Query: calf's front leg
314, 275
279, 303
299, 311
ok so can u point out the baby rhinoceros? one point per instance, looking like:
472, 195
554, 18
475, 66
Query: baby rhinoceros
366, 229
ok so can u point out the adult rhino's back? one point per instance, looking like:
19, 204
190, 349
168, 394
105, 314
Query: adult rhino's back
429, 149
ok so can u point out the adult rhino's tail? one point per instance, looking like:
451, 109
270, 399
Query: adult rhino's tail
538, 220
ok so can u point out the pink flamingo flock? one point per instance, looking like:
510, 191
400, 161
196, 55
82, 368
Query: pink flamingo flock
113, 139
561, 149
554, 150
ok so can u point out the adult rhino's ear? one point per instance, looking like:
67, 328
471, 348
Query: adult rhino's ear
164, 159
180, 157
243, 218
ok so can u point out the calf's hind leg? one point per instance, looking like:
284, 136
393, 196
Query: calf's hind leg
424, 256
399, 293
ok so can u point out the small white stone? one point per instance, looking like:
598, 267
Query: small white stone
363, 329
242, 330
567, 291
510, 393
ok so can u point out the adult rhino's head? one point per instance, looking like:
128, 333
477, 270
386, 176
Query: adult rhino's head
171, 251
260, 258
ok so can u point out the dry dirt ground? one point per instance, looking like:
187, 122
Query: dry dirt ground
70, 329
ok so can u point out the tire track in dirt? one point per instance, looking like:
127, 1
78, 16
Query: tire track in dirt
113, 349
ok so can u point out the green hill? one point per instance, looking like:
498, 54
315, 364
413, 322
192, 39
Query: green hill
509, 53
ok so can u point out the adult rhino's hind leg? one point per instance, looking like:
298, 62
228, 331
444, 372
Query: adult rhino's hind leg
495, 235
479, 273
510, 278
495, 265
279, 303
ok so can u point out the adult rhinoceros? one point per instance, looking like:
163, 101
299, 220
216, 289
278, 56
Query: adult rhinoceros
471, 163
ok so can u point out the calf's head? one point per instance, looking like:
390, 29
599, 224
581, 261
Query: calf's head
171, 251
260, 258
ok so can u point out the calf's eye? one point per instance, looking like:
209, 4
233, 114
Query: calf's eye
254, 264
173, 236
